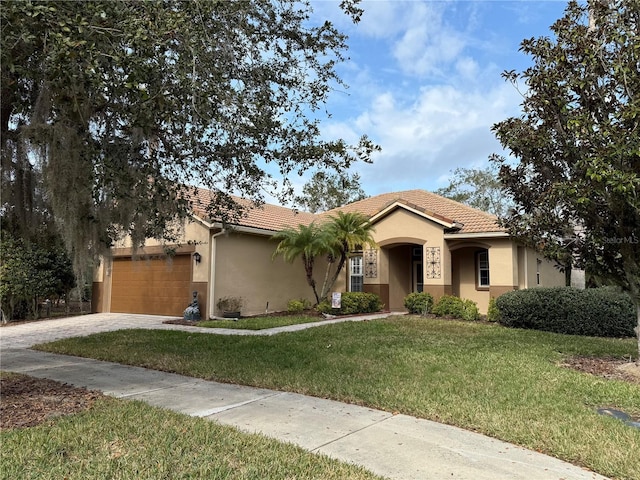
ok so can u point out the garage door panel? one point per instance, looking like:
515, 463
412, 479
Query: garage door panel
157, 286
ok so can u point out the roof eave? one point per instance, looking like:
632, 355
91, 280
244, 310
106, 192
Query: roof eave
458, 236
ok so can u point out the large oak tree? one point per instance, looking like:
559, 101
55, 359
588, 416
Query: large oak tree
576, 184
120, 106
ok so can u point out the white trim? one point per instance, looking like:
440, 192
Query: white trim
479, 269
360, 275
229, 228
454, 236
201, 221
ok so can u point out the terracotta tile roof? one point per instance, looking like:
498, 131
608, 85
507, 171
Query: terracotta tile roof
265, 217
450, 211
275, 218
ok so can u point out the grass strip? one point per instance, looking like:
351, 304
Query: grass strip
259, 323
118, 439
502, 382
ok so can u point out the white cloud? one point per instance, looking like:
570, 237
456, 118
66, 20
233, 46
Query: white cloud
426, 86
428, 47
441, 129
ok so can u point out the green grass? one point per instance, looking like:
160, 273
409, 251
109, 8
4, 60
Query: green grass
118, 439
501, 382
259, 323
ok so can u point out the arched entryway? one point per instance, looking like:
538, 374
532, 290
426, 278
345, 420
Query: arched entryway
402, 269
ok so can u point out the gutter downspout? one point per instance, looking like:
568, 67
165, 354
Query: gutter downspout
212, 272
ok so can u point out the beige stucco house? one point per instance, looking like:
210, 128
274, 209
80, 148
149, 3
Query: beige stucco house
424, 243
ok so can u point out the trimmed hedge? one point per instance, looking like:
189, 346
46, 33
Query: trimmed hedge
418, 303
353, 302
456, 307
595, 312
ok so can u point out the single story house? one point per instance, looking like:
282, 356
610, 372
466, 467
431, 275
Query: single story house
425, 242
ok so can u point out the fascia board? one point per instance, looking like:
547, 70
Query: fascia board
459, 236
393, 206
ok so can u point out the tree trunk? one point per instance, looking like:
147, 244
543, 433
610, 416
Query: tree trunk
325, 284
334, 277
308, 269
637, 304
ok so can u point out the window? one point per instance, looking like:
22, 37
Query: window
355, 274
483, 268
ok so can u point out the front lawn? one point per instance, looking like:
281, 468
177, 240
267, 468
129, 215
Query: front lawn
506, 383
117, 439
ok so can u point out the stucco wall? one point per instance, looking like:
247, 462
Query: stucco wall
550, 275
404, 227
243, 267
503, 269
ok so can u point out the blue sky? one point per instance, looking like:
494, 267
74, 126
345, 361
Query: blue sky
425, 83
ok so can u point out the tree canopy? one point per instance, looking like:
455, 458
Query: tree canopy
326, 191
577, 142
478, 188
120, 106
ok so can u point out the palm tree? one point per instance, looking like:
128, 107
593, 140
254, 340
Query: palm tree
305, 241
346, 232
335, 238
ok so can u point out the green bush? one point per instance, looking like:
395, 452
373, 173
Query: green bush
456, 307
295, 306
418, 303
597, 312
298, 305
352, 303
493, 314
448, 305
470, 310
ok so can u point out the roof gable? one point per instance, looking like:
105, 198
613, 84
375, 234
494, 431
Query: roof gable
421, 212
441, 209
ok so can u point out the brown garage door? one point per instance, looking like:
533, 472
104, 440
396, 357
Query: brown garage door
156, 286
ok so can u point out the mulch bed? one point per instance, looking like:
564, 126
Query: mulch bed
609, 368
28, 401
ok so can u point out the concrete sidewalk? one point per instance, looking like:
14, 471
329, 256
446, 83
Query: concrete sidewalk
395, 446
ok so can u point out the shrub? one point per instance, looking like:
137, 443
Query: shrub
456, 307
493, 314
298, 305
418, 303
470, 310
324, 307
295, 306
598, 312
352, 303
448, 305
